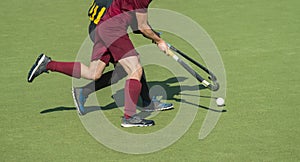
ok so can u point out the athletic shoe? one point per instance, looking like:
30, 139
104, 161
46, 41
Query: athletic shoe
156, 105
79, 100
136, 121
39, 67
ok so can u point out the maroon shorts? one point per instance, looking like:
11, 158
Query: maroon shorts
120, 48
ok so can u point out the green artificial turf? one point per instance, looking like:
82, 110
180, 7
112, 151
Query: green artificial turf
259, 44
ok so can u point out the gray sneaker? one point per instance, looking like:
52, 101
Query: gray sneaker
39, 67
79, 100
136, 121
156, 105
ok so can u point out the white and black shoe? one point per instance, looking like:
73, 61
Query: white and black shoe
136, 121
38, 67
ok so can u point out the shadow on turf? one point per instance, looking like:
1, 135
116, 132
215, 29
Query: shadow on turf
171, 91
201, 106
61, 108
88, 108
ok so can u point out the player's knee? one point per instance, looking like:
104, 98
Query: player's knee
137, 74
94, 76
140, 72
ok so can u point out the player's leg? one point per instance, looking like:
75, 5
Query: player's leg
44, 64
100, 83
133, 85
73, 69
151, 104
112, 77
94, 72
107, 79
99, 59
132, 90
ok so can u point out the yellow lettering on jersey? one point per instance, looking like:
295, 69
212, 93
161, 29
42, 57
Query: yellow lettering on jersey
96, 21
92, 8
94, 13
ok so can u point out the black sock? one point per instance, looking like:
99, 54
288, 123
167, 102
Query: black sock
105, 80
108, 78
145, 91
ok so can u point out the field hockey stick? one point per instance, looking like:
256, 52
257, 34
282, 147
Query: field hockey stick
212, 77
214, 87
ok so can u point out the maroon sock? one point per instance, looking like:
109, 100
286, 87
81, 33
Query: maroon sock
132, 92
69, 68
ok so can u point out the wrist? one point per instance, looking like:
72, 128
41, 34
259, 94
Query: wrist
159, 41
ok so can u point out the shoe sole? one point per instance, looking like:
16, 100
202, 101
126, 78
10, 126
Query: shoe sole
37, 66
165, 108
135, 125
74, 99
161, 109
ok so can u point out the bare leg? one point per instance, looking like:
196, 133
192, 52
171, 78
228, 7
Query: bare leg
132, 66
133, 85
94, 71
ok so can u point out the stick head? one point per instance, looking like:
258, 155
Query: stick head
214, 87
